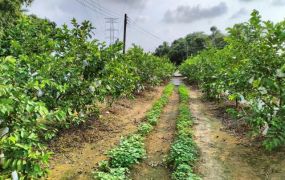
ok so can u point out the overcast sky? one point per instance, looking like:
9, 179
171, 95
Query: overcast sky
154, 21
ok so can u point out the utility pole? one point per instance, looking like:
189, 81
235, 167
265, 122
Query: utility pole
125, 32
111, 29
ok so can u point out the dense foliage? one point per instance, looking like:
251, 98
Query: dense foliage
131, 149
183, 152
10, 11
250, 70
190, 45
51, 78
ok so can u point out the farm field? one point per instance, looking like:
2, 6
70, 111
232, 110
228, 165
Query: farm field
89, 144
94, 90
223, 154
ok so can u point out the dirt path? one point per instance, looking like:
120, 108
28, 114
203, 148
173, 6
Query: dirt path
78, 151
224, 156
158, 144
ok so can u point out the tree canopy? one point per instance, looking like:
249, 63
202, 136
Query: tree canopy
190, 45
10, 12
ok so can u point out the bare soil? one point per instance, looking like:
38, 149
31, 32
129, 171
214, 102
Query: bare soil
224, 154
78, 150
227, 156
158, 145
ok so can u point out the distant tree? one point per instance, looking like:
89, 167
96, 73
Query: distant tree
180, 49
177, 51
217, 38
196, 42
214, 30
162, 50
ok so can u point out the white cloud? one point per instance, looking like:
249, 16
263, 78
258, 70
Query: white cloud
188, 14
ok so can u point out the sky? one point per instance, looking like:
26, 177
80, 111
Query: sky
151, 22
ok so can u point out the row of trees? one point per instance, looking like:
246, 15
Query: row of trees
249, 70
190, 45
52, 77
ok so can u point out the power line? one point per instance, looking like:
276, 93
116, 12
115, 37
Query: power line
94, 8
144, 30
112, 13
150, 38
89, 7
97, 12
103, 9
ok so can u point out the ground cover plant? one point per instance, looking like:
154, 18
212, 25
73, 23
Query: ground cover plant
183, 152
131, 148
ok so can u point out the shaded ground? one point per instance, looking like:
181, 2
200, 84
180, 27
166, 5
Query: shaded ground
78, 151
158, 144
225, 156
